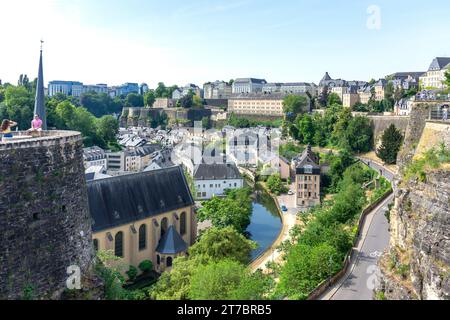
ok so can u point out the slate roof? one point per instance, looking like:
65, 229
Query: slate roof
439, 63
123, 199
326, 77
171, 242
307, 158
216, 171
252, 80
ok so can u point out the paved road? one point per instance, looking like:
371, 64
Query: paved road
358, 283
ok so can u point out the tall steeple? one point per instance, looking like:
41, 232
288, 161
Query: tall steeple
39, 103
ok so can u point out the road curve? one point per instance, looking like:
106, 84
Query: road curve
358, 282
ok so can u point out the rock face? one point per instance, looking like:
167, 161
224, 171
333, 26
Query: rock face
417, 265
45, 225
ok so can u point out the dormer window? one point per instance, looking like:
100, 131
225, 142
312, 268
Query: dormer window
308, 169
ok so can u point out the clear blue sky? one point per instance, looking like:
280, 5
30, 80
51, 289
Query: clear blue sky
180, 41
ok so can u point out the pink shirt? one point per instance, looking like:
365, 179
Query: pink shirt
36, 123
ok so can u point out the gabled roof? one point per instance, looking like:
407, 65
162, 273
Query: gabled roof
216, 171
326, 77
171, 242
124, 199
439, 63
307, 158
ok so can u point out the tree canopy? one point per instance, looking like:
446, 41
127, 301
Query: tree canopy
234, 209
391, 141
295, 104
219, 243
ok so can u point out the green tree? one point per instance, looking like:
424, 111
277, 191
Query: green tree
220, 243
225, 280
391, 142
134, 100
360, 134
389, 98
197, 101
175, 285
333, 98
275, 184
149, 98
338, 136
186, 101
294, 104
161, 91
323, 97
399, 93
306, 129
447, 78
305, 268
233, 210
107, 128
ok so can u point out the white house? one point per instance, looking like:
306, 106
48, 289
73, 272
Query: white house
213, 179
94, 157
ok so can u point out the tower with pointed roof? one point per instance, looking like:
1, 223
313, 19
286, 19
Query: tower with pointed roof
39, 103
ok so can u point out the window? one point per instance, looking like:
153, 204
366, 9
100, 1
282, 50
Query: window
183, 223
158, 260
169, 262
164, 226
95, 245
142, 237
118, 244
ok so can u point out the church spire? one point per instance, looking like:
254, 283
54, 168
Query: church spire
39, 104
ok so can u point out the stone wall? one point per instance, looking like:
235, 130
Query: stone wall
45, 225
143, 116
381, 123
417, 265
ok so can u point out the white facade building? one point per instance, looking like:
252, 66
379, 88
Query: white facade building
248, 85
94, 157
213, 179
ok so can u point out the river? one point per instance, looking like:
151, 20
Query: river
265, 224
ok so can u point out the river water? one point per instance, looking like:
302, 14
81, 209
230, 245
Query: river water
265, 222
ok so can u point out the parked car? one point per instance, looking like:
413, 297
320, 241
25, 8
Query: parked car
290, 192
283, 208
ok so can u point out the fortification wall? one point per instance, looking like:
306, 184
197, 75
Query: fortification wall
381, 123
45, 225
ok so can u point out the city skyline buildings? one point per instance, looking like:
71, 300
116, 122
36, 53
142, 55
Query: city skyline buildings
179, 43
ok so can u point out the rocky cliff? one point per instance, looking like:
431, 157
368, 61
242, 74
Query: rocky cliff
417, 265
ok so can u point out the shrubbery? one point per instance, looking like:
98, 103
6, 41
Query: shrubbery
318, 250
233, 210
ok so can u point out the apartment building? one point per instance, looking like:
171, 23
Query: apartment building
307, 179
257, 104
434, 77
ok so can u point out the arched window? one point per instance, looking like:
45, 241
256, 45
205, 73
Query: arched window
169, 262
118, 244
183, 223
95, 242
164, 226
158, 260
142, 237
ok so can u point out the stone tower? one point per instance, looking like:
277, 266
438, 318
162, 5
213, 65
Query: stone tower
45, 225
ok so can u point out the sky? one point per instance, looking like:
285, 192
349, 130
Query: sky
195, 41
